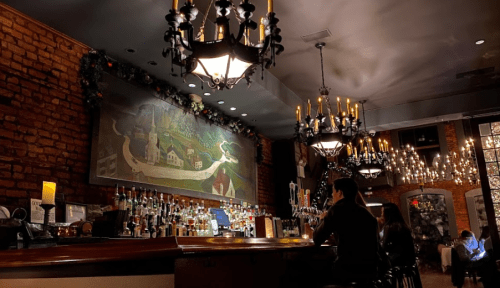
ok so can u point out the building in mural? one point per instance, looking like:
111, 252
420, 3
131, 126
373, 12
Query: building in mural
153, 147
173, 157
223, 185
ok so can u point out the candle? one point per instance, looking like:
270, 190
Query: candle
320, 106
220, 35
349, 150
175, 3
202, 34
316, 125
357, 111
352, 112
49, 193
343, 118
380, 146
298, 114
332, 120
270, 6
308, 107
339, 107
355, 152
361, 144
262, 30
348, 105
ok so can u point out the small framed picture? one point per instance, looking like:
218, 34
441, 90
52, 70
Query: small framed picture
37, 213
75, 212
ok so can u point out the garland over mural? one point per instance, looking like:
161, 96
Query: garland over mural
96, 62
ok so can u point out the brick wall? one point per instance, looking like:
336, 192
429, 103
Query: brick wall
459, 202
44, 126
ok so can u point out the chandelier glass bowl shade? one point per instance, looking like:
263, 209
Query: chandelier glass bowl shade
225, 60
327, 133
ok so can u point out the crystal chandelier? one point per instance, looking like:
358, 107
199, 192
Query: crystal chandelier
459, 167
364, 159
327, 134
407, 163
224, 61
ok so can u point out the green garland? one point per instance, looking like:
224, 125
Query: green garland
93, 64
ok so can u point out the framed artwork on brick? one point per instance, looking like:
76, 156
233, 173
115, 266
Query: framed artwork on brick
139, 139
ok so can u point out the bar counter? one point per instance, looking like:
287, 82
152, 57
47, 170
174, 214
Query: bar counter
163, 262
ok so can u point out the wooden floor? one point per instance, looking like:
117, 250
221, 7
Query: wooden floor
432, 278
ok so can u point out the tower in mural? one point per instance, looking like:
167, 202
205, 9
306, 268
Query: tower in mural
153, 146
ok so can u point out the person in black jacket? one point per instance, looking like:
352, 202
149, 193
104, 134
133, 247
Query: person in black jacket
355, 230
397, 241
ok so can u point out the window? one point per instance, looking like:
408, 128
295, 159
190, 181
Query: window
424, 139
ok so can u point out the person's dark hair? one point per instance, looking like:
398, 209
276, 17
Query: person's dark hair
465, 234
392, 215
348, 186
485, 232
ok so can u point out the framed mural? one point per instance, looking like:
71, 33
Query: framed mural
141, 140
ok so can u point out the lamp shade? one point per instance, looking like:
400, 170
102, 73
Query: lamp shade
328, 144
49, 193
216, 68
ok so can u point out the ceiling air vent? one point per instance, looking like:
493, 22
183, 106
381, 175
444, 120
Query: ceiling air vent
478, 72
316, 36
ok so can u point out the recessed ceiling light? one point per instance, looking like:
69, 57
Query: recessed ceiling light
233, 108
479, 42
206, 93
192, 85
254, 120
152, 63
220, 102
130, 50
244, 114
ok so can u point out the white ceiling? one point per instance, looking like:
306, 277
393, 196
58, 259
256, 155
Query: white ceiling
388, 52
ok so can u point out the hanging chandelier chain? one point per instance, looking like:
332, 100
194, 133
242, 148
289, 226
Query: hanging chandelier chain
322, 70
363, 107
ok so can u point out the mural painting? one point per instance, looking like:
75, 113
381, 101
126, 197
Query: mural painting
147, 140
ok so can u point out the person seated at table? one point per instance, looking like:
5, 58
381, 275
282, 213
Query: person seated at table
397, 241
473, 257
468, 248
355, 230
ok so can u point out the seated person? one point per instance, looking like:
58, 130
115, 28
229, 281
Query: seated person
468, 248
355, 230
472, 255
397, 241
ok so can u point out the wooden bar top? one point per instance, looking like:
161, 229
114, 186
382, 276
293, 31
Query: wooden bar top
131, 249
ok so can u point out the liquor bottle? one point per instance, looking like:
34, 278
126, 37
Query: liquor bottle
129, 202
152, 231
134, 201
174, 228
122, 200
145, 209
117, 197
125, 230
137, 227
144, 230
221, 206
149, 200
155, 199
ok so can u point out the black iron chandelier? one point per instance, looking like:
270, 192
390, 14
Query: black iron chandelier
224, 61
365, 157
327, 134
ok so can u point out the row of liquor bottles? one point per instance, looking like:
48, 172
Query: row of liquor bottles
149, 215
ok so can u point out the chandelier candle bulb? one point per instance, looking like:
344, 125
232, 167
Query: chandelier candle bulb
270, 6
320, 106
308, 107
380, 146
339, 106
343, 118
348, 105
220, 34
352, 113
357, 111
175, 4
355, 152
298, 114
316, 125
332, 120
48, 193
